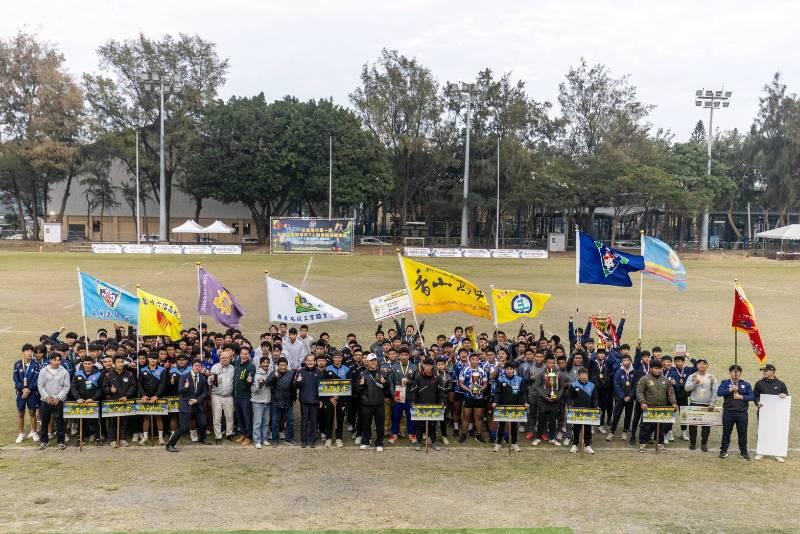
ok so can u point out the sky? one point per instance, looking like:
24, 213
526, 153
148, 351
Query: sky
316, 49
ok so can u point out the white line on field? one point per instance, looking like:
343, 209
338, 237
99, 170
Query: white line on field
6, 329
308, 268
159, 273
68, 306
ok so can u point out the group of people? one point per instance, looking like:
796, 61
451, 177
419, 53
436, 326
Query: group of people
249, 393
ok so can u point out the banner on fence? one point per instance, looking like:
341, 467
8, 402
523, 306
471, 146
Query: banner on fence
390, 305
500, 253
112, 248
302, 235
80, 410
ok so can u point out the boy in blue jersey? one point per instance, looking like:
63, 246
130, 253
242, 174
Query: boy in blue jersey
26, 372
334, 410
152, 385
582, 394
509, 390
474, 383
736, 394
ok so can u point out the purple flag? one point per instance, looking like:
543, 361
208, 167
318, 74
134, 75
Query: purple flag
217, 302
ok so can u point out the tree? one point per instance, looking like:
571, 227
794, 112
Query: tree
41, 118
698, 134
119, 103
100, 191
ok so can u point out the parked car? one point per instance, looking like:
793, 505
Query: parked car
151, 238
373, 241
208, 240
250, 241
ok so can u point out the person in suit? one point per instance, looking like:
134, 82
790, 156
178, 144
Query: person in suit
193, 391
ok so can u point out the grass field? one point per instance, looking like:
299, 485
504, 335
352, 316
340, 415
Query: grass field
466, 487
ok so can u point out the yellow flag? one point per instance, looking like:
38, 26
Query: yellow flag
510, 304
158, 316
433, 291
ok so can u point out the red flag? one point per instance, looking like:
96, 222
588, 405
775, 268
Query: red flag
744, 320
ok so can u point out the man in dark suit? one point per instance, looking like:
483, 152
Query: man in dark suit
193, 391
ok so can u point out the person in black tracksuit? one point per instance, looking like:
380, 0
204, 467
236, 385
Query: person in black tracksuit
447, 386
281, 380
373, 387
87, 385
601, 373
334, 406
306, 383
426, 389
354, 406
152, 385
582, 394
119, 384
509, 391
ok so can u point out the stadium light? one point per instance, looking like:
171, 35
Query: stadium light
710, 100
468, 93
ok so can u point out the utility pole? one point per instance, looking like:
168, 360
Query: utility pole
163, 83
138, 228
497, 211
710, 100
470, 94
330, 177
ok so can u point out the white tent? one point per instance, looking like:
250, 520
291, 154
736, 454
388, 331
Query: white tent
217, 227
784, 233
189, 227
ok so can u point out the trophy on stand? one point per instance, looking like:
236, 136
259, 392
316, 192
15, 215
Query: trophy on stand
552, 379
475, 384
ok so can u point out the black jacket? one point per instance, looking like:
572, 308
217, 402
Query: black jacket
87, 387
426, 389
768, 387
124, 383
580, 398
187, 391
282, 388
306, 382
372, 392
152, 382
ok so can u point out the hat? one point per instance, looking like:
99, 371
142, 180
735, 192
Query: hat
768, 367
371, 357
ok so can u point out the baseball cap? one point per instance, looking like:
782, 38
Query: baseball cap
768, 367
371, 356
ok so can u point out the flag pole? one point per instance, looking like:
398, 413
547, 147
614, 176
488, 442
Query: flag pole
408, 290
735, 331
83, 311
641, 283
494, 311
577, 270
136, 359
199, 315
266, 282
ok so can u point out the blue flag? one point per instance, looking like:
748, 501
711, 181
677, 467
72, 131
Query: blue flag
661, 262
596, 263
106, 302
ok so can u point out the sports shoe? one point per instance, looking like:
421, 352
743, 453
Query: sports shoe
413, 439
535, 442
445, 441
34, 436
746, 457
480, 438
610, 436
43, 445
358, 440
392, 439
642, 448
135, 437
685, 436
529, 436
327, 444
339, 444
62, 446
123, 443
573, 449
66, 438
497, 447
437, 447
417, 446
559, 435
19, 439
266, 443
723, 454
142, 442
350, 428
161, 440
662, 449
257, 445
114, 445
624, 436
589, 449
379, 449
193, 435
364, 447
462, 438
669, 436
555, 443
322, 435
758, 458
704, 448
779, 459
515, 448
601, 429
567, 441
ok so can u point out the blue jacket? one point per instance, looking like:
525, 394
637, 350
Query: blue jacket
308, 386
583, 395
573, 339
23, 372
731, 404
342, 372
620, 389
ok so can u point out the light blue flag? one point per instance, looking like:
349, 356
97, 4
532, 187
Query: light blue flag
661, 262
106, 302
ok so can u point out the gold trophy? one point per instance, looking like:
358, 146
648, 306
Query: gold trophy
551, 381
475, 384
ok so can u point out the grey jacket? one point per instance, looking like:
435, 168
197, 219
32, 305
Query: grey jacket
53, 383
703, 393
294, 353
224, 380
260, 391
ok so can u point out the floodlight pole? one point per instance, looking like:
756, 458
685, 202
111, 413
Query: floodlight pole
138, 228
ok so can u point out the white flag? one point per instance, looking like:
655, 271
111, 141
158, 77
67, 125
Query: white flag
290, 305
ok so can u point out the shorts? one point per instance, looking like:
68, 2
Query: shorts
32, 402
469, 402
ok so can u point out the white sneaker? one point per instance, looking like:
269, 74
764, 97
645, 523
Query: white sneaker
364, 447
610, 436
497, 447
339, 444
758, 458
567, 441
685, 436
379, 449
321, 435
34, 436
143, 440
589, 450
193, 435
555, 443
535, 442
123, 443
135, 438
114, 444
327, 444
445, 441
522, 428
258, 445
601, 429
66, 439
624, 436
515, 448
161, 440
573, 449
20, 438
559, 436
670, 437
779, 459
266, 443
358, 440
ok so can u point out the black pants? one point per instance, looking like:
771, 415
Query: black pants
48, 411
431, 430
606, 398
111, 426
618, 407
533, 415
308, 423
637, 417
547, 420
370, 413
587, 435
705, 431
729, 420
501, 431
354, 414
443, 428
647, 429
184, 421
334, 413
